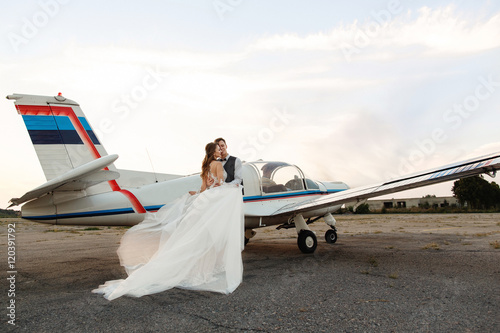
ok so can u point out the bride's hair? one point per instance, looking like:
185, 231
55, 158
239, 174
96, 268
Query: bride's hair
209, 157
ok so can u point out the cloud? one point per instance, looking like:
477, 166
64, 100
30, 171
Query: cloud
444, 31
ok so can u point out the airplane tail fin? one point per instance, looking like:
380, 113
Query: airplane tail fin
69, 152
62, 136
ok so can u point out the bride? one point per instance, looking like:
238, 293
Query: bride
193, 243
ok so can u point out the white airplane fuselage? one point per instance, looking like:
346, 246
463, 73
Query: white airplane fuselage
113, 208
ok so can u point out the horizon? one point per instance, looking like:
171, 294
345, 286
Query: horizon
359, 92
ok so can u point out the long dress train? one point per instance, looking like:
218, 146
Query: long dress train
194, 243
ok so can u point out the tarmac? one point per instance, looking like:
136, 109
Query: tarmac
386, 273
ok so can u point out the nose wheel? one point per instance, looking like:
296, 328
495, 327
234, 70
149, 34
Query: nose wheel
331, 235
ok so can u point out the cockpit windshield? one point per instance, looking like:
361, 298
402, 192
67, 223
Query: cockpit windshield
280, 177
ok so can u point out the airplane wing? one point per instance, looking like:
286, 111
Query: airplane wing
80, 178
476, 166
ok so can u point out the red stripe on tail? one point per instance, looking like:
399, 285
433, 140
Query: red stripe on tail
46, 110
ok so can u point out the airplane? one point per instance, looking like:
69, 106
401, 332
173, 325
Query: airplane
85, 188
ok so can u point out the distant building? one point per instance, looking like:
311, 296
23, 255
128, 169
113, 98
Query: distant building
410, 202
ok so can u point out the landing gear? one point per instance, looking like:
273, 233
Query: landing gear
249, 233
307, 241
331, 235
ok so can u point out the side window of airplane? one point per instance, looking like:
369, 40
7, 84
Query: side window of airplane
282, 178
311, 184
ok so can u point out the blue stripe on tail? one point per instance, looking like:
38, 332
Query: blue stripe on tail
50, 130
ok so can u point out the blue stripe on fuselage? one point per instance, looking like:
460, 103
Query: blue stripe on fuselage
120, 211
81, 214
286, 195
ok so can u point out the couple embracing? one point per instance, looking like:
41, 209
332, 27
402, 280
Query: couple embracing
218, 166
194, 242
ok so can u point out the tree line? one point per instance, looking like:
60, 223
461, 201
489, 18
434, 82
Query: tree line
9, 213
477, 193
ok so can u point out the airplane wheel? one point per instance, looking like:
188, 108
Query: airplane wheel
331, 236
307, 241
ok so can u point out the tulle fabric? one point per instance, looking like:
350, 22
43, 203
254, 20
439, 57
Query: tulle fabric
194, 243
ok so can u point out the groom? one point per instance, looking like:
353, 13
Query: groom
231, 164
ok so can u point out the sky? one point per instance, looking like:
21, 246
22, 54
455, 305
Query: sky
358, 91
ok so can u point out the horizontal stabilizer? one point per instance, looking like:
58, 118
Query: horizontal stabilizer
80, 178
471, 167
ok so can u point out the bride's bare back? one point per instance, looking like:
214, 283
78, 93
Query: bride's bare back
217, 170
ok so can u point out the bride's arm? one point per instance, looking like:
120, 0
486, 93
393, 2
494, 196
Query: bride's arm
203, 185
203, 188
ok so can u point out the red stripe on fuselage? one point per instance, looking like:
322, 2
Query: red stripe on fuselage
42, 110
139, 208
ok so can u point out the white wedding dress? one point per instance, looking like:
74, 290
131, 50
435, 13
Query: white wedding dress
194, 243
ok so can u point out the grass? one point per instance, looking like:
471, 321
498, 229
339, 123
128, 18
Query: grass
394, 275
54, 230
433, 246
495, 245
373, 261
72, 231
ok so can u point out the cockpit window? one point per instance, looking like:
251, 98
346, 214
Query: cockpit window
280, 177
311, 184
